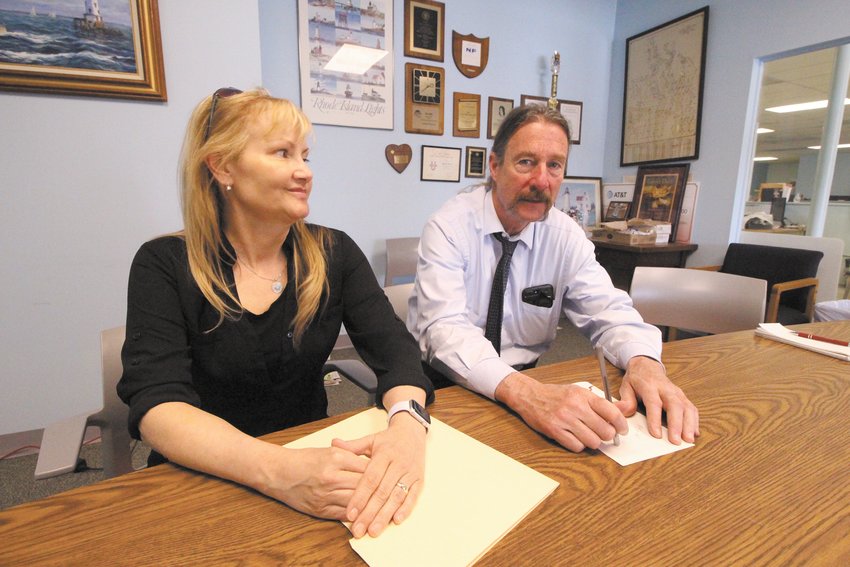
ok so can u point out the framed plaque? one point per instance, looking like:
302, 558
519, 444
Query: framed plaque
424, 98
476, 161
470, 53
467, 115
424, 27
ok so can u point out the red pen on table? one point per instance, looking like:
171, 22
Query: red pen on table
821, 339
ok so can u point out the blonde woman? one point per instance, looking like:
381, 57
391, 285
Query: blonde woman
230, 321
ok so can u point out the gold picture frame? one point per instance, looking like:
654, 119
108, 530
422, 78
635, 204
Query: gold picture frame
466, 116
424, 29
139, 37
424, 99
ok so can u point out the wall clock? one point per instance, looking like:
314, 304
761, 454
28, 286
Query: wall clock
424, 99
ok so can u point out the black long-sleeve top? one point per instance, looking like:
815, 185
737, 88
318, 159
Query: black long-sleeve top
246, 370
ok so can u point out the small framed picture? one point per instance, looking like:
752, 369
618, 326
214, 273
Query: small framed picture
569, 109
617, 211
476, 161
440, 164
467, 115
424, 27
497, 110
580, 198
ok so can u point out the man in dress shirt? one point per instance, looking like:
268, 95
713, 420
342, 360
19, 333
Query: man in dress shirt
553, 269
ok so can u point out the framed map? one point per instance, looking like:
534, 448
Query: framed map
662, 102
346, 60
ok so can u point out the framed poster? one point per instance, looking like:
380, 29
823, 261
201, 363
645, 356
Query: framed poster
569, 109
659, 191
41, 46
662, 102
580, 198
467, 115
424, 29
424, 98
346, 62
476, 161
497, 111
440, 164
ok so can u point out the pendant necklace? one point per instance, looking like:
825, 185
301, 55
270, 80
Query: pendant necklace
277, 283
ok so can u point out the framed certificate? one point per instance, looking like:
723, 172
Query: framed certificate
440, 164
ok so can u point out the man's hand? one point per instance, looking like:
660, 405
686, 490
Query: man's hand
646, 380
573, 416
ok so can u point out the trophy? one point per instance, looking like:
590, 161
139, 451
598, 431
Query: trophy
556, 68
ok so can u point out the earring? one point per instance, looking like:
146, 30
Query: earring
229, 187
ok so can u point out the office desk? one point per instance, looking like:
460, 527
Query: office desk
620, 260
767, 483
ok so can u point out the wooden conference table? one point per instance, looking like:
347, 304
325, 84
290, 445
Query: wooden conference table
767, 483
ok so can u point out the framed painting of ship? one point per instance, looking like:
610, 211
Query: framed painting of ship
105, 48
345, 52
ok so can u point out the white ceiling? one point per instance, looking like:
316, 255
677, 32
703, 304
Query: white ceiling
801, 78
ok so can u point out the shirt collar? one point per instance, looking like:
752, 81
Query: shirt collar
493, 224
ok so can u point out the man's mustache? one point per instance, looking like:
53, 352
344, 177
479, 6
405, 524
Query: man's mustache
535, 196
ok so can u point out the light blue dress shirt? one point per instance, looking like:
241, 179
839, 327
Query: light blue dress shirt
457, 259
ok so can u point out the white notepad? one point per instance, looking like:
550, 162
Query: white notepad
473, 496
778, 332
638, 444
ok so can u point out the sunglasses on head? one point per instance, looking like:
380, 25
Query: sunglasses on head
223, 92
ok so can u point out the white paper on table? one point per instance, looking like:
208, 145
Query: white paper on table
473, 496
638, 445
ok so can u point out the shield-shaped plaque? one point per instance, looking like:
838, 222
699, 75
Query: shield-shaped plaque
470, 53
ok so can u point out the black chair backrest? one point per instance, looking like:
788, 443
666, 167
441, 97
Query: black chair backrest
774, 264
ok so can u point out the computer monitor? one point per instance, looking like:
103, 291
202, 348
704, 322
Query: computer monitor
777, 210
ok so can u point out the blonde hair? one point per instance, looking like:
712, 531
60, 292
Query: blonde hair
203, 205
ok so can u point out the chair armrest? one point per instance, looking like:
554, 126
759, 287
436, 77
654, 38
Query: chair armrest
355, 372
779, 288
60, 446
706, 268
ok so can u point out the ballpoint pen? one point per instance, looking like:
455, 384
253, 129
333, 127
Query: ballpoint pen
600, 356
821, 339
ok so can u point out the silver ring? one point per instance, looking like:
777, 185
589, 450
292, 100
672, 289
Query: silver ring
404, 487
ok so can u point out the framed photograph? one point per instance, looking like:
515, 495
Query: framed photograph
617, 192
424, 29
424, 98
659, 191
580, 198
662, 103
346, 61
41, 42
440, 164
617, 211
467, 115
570, 109
476, 161
497, 110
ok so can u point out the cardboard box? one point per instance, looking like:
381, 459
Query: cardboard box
622, 237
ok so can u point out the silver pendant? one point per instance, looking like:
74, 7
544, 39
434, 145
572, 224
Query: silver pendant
277, 287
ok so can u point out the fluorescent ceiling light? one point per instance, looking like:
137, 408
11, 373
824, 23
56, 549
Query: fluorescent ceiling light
766, 158
354, 59
764, 131
802, 106
840, 147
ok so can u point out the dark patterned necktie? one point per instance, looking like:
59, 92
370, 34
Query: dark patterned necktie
493, 330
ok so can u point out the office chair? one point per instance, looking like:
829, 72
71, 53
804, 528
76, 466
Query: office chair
402, 256
791, 276
705, 302
61, 442
356, 371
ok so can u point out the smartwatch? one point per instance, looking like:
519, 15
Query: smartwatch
414, 408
